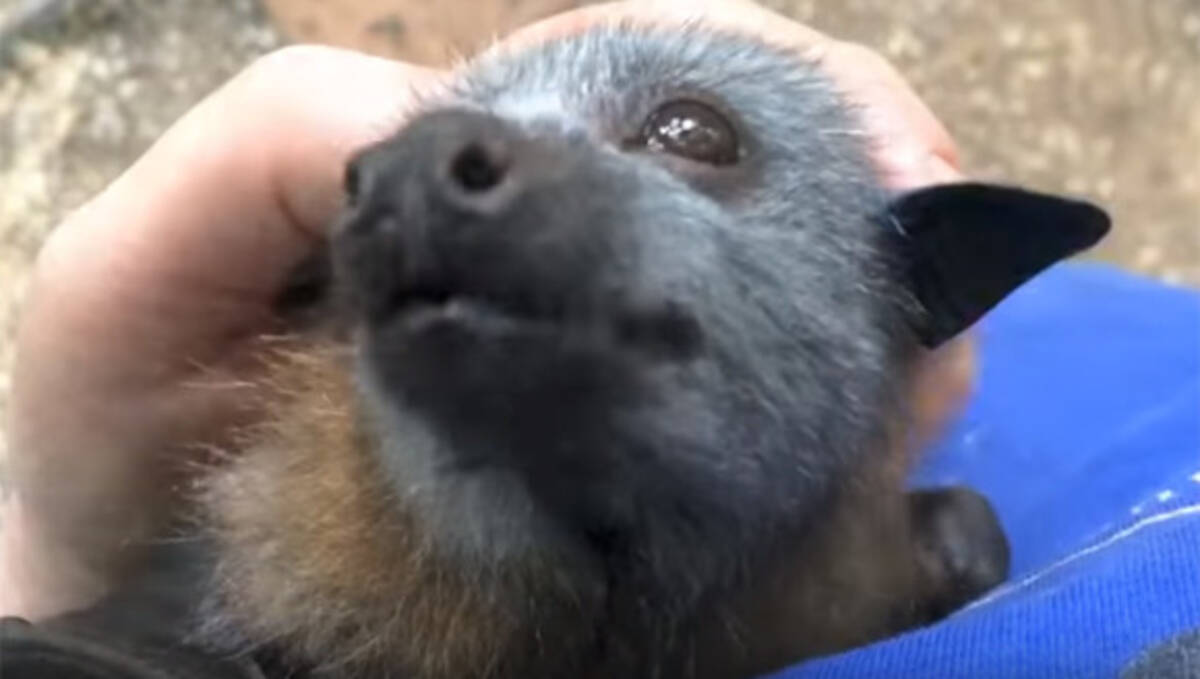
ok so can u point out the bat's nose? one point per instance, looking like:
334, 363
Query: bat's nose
468, 165
469, 203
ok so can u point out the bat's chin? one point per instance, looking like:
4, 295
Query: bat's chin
531, 416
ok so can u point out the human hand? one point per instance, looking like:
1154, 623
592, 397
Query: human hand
144, 301
133, 344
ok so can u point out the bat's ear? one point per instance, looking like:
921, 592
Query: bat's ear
967, 246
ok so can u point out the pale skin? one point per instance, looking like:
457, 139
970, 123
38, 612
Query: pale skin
131, 353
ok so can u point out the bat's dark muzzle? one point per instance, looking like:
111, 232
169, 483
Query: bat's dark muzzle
464, 205
466, 221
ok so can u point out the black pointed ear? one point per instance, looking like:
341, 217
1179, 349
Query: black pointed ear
967, 246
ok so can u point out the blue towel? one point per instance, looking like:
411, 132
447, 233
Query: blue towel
1085, 434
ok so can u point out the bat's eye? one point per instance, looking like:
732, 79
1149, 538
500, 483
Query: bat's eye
692, 130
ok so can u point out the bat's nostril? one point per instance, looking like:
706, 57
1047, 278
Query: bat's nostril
476, 170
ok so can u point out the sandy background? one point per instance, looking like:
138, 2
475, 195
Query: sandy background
1094, 97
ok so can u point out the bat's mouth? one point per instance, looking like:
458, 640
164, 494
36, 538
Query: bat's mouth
660, 330
428, 300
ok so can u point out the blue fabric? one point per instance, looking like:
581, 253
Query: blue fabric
1085, 434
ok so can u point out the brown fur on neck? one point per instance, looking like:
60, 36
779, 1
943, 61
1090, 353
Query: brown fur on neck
315, 557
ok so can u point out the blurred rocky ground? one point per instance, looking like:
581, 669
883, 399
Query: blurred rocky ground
1093, 97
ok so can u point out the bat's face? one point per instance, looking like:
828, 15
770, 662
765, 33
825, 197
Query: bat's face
626, 301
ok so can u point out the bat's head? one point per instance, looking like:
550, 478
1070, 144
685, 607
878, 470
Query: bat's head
629, 307
624, 299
